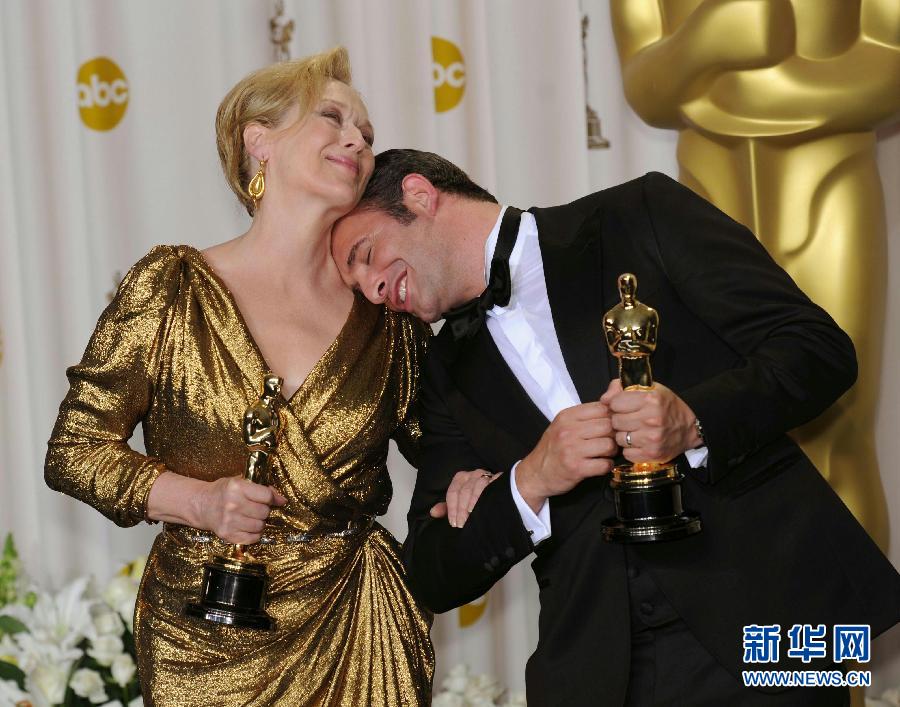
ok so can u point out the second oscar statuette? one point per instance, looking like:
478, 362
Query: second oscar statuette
234, 584
647, 494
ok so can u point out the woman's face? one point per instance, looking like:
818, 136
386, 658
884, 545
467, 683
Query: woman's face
326, 156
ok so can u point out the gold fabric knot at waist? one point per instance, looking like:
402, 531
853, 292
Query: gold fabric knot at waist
286, 536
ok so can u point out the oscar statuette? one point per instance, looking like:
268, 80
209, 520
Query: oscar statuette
647, 494
234, 584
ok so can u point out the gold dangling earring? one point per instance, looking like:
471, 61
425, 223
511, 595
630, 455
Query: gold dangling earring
257, 186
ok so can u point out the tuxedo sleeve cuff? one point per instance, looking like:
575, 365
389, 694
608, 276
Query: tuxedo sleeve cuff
537, 524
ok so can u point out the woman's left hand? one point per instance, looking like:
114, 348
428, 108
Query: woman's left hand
462, 494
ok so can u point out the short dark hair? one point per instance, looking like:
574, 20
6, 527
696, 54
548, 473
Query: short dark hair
385, 189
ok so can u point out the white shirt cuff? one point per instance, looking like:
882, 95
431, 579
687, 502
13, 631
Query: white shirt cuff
537, 525
697, 457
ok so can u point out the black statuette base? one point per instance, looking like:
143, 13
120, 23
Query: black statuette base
233, 593
648, 507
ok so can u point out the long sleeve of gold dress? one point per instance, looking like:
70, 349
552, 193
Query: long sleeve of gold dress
173, 353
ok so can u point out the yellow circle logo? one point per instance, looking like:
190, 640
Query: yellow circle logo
471, 612
449, 72
102, 93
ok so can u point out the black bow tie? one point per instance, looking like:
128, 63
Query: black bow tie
465, 321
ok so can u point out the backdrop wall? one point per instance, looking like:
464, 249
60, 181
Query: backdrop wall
498, 87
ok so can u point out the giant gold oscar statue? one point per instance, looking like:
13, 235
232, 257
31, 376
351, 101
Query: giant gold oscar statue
775, 102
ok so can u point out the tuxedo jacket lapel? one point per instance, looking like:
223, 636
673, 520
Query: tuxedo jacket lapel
573, 271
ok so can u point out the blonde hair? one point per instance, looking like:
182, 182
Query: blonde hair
264, 97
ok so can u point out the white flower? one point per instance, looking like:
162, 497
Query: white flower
9, 650
515, 699
10, 694
120, 594
891, 698
62, 619
17, 611
47, 683
105, 649
106, 620
120, 589
482, 689
56, 626
126, 611
457, 680
462, 689
88, 683
34, 652
448, 699
123, 669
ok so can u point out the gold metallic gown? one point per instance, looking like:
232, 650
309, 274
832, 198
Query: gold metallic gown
173, 352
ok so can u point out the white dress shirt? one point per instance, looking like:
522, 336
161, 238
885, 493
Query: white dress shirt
526, 338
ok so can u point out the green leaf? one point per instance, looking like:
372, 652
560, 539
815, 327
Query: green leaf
8, 671
10, 569
9, 548
10, 625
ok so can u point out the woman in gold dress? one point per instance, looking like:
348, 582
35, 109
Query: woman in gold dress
183, 349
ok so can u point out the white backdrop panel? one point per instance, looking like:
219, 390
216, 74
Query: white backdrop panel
79, 206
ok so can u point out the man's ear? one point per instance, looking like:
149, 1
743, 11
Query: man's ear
255, 141
419, 195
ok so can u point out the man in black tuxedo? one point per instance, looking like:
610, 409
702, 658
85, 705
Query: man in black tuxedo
512, 417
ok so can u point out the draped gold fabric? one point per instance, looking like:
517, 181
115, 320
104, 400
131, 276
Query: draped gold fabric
173, 352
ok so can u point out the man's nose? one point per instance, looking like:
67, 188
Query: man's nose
377, 290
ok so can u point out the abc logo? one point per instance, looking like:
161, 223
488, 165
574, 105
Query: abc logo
102, 93
449, 71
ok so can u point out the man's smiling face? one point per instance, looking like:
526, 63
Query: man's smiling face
400, 265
